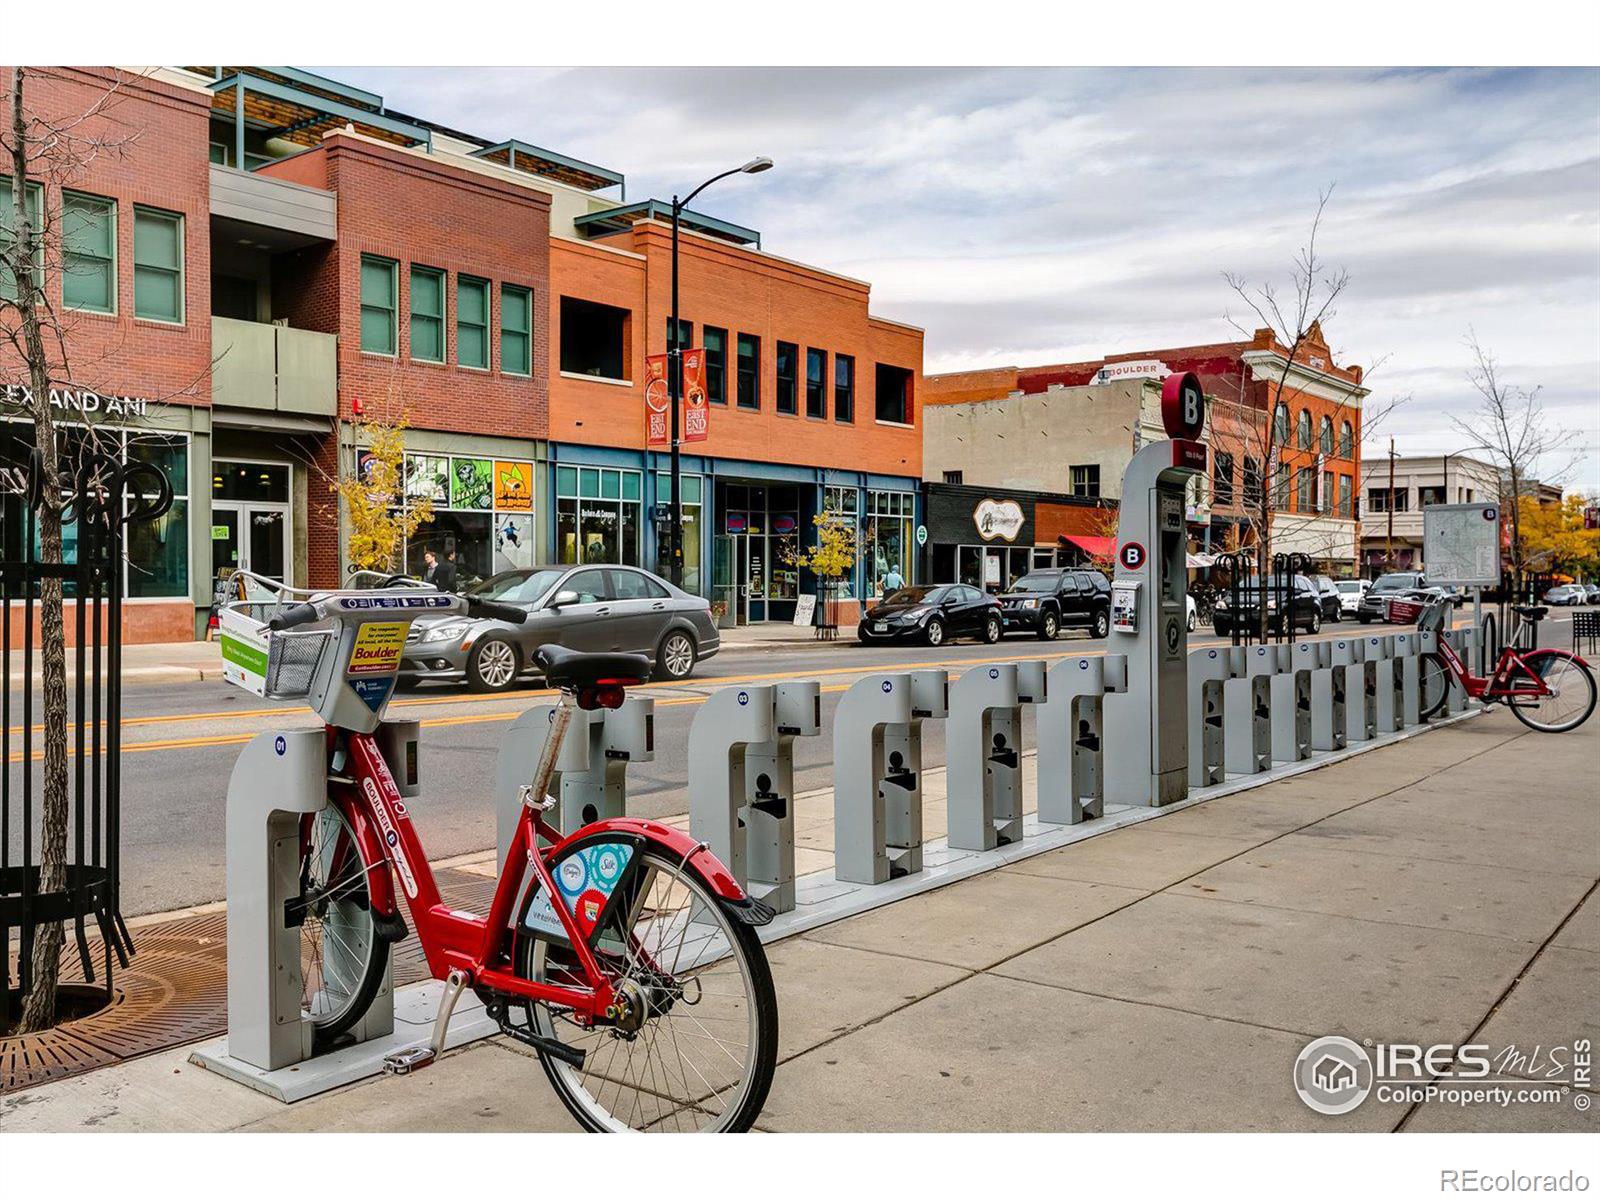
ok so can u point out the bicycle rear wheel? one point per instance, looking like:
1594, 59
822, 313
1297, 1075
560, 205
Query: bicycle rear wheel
342, 958
699, 1045
1573, 687
1435, 684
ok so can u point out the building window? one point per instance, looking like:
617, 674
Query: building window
1302, 429
788, 385
1325, 435
89, 253
816, 384
953, 476
594, 339
692, 509
1252, 481
516, 330
1086, 481
684, 341
887, 537
1344, 496
427, 314
1401, 499
1305, 486
158, 266
1377, 500
597, 515
482, 513
842, 506
749, 371
1347, 441
377, 304
1325, 497
1280, 487
1222, 479
844, 388
1427, 496
716, 348
1280, 423
892, 394
8, 235
472, 322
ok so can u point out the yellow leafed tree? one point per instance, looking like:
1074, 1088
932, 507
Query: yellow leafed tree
373, 491
833, 557
1554, 539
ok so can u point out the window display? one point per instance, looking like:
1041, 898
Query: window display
482, 515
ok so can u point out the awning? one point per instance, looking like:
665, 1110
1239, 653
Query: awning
1094, 547
1199, 562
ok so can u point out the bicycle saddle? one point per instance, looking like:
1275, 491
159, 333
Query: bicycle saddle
1533, 612
565, 668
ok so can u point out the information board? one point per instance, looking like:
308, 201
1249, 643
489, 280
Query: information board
1461, 544
805, 609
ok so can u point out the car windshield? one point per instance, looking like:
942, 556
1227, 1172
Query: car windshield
1393, 583
1036, 583
1348, 585
516, 587
915, 595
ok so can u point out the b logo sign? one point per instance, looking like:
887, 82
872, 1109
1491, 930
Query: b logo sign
1183, 406
1131, 556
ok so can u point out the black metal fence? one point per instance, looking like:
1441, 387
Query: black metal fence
101, 496
1249, 598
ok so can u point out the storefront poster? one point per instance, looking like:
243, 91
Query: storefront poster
513, 542
696, 416
513, 486
656, 400
428, 477
471, 483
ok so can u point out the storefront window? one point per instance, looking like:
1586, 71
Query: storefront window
692, 496
842, 504
887, 537
597, 515
482, 513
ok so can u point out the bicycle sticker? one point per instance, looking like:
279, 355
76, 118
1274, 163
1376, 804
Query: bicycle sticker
377, 648
373, 692
586, 878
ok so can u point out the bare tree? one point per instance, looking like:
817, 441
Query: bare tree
1510, 424
41, 153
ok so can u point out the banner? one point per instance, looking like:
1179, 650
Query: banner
656, 431
696, 416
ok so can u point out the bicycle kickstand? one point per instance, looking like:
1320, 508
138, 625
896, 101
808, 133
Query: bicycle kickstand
414, 1058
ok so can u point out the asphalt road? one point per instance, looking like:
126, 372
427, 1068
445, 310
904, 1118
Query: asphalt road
181, 741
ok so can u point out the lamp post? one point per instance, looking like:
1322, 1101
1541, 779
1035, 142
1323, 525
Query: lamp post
675, 368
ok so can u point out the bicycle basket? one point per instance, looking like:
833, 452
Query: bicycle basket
267, 663
1432, 618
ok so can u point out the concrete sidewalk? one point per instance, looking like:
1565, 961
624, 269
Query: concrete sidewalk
1160, 977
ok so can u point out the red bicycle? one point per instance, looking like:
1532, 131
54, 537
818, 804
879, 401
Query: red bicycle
623, 954
1547, 689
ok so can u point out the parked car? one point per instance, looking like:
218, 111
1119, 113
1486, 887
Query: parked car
1193, 611
1593, 593
580, 607
1328, 596
933, 613
1375, 602
1051, 599
1305, 607
1350, 593
1566, 593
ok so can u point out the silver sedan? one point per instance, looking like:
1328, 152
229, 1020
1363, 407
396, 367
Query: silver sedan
582, 608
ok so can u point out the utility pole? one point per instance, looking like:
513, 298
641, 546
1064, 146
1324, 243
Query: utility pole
1388, 554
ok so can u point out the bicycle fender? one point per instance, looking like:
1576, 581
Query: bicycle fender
676, 842
380, 884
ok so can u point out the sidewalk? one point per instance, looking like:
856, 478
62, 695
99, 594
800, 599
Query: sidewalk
1162, 976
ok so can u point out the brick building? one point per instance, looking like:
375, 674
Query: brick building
287, 255
1072, 427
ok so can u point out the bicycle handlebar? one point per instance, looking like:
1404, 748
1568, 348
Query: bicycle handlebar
295, 614
495, 612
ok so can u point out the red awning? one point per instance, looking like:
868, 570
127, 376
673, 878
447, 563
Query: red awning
1094, 547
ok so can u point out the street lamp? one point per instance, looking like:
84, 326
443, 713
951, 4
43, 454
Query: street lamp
675, 366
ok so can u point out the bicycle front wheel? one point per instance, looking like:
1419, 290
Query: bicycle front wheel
1572, 696
342, 958
697, 1046
1435, 684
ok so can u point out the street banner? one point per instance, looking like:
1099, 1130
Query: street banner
696, 416
655, 401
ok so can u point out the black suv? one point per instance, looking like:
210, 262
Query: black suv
1305, 607
1375, 603
1045, 601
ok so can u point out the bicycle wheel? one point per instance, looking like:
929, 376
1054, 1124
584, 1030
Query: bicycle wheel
342, 958
1573, 687
1435, 684
698, 1048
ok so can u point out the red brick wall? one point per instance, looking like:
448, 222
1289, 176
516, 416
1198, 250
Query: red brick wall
154, 154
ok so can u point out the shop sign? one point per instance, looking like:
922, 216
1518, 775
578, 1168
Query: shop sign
737, 523
471, 484
85, 401
922, 535
1143, 368
998, 519
656, 401
428, 477
513, 486
696, 416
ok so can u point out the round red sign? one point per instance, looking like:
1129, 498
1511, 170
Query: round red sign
1183, 406
1131, 556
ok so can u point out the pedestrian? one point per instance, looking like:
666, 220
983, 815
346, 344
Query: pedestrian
430, 567
445, 577
893, 581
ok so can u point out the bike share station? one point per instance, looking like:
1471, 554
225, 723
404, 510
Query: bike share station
1145, 728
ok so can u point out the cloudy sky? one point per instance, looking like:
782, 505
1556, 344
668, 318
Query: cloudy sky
1038, 215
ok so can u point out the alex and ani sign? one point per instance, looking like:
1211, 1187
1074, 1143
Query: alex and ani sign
86, 401
998, 519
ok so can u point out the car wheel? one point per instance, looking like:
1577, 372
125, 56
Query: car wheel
1189, 625
991, 630
1102, 623
1315, 624
935, 632
1049, 626
1363, 618
676, 655
492, 666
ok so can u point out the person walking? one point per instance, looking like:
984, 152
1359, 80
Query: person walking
893, 581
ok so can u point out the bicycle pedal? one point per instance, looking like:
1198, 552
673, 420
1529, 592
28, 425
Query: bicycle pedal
407, 1060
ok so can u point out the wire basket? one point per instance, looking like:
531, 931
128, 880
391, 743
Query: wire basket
1433, 616
265, 662
292, 661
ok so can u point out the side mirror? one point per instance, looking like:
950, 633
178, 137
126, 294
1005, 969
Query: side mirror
562, 598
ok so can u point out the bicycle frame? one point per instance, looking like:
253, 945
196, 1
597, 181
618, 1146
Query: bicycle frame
1511, 679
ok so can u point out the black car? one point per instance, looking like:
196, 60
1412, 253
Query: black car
1328, 596
933, 614
1048, 600
1305, 607
1375, 604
